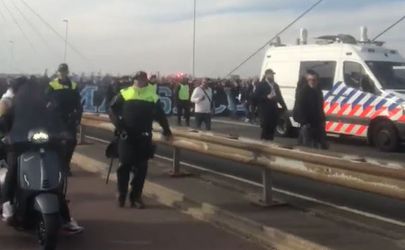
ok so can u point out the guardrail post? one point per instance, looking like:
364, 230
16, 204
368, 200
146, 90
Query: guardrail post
176, 172
82, 134
267, 199
267, 195
176, 161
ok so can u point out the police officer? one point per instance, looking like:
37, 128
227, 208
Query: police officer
132, 112
65, 96
183, 101
153, 81
27, 96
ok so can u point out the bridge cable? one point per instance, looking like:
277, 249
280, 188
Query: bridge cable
33, 27
389, 28
3, 16
274, 37
14, 19
73, 48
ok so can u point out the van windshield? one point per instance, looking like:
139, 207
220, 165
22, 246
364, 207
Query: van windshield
391, 75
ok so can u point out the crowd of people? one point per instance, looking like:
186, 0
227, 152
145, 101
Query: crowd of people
237, 91
134, 103
253, 100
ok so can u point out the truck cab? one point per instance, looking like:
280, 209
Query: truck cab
363, 84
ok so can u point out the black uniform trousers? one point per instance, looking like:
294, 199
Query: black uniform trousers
269, 119
183, 108
69, 148
133, 156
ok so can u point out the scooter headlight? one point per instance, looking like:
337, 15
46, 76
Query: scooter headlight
38, 137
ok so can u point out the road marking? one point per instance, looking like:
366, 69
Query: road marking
98, 139
138, 243
285, 192
236, 123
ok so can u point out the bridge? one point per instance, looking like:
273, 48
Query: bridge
223, 191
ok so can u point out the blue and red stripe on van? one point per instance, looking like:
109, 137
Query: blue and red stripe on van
351, 115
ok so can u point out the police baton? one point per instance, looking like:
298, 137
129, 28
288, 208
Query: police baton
109, 171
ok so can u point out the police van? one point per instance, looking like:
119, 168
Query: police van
363, 84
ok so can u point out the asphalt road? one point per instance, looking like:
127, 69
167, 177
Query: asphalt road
111, 228
339, 196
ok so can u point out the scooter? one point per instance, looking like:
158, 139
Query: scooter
40, 188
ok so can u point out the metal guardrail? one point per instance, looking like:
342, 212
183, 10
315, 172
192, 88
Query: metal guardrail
385, 179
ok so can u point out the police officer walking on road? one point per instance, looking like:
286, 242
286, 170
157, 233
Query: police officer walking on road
268, 98
133, 112
65, 96
183, 101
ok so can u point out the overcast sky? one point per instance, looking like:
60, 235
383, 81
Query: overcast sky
123, 36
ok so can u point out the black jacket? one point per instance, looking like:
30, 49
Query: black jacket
67, 102
136, 117
309, 106
265, 104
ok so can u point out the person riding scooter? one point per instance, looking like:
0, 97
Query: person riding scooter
8, 120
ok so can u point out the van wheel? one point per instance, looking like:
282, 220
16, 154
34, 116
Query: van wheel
284, 127
385, 136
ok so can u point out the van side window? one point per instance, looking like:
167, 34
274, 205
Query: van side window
356, 77
325, 69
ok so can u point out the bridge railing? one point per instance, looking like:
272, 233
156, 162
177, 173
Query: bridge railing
382, 178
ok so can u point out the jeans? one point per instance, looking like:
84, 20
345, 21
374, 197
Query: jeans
313, 137
203, 118
231, 103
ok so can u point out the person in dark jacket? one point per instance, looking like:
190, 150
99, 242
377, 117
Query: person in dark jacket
268, 97
132, 112
308, 111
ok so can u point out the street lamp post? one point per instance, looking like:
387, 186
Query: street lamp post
194, 33
66, 21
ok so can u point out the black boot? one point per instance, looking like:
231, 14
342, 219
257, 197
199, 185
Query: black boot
136, 201
138, 204
121, 200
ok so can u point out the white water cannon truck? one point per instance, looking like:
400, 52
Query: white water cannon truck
363, 84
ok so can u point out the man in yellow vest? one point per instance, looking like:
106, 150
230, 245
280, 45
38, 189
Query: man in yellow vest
183, 104
153, 81
133, 112
65, 96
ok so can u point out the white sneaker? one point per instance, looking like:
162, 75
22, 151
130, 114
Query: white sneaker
8, 211
72, 228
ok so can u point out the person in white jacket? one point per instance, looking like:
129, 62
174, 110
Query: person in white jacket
202, 98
